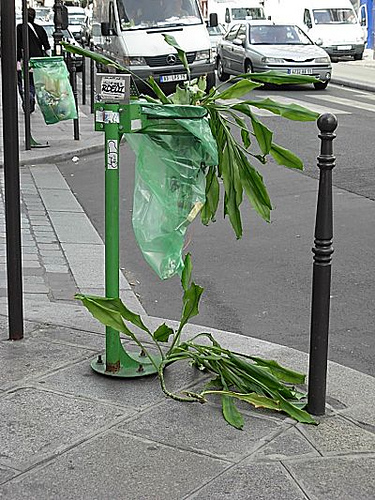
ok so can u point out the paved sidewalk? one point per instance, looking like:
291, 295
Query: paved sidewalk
356, 74
67, 433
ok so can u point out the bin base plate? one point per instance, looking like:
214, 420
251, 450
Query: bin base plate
141, 367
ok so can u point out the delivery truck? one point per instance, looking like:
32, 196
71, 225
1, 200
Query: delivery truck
332, 24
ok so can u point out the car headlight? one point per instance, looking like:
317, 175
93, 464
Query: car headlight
322, 60
202, 55
273, 60
134, 61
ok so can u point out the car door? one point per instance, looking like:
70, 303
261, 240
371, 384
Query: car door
238, 52
226, 47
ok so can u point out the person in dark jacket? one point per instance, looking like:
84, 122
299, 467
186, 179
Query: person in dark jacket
38, 46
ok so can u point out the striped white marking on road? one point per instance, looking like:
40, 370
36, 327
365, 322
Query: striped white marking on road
349, 102
310, 105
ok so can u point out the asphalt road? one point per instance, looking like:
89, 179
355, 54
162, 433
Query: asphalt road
261, 285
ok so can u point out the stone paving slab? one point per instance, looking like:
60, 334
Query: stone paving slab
252, 482
36, 424
32, 357
336, 478
137, 393
201, 428
116, 466
6, 474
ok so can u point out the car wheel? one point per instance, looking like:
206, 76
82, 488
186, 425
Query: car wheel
223, 77
248, 67
358, 57
320, 85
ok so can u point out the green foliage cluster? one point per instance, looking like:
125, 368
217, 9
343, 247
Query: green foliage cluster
235, 376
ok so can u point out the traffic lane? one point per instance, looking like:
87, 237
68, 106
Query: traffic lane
353, 146
260, 285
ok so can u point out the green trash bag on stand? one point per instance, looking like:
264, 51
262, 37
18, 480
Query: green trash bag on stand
173, 149
52, 89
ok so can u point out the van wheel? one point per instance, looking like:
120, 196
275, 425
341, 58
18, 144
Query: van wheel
358, 57
248, 67
223, 77
320, 85
211, 80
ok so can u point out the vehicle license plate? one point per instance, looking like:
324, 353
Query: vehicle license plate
344, 47
173, 78
300, 71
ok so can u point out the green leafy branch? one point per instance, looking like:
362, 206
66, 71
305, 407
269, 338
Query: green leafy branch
235, 166
235, 376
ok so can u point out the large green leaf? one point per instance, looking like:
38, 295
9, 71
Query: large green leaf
262, 133
117, 306
212, 196
181, 53
186, 272
245, 134
162, 333
279, 78
279, 371
237, 90
191, 301
97, 57
290, 111
285, 157
230, 412
158, 92
255, 189
106, 315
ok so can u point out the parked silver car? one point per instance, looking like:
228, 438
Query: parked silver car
256, 47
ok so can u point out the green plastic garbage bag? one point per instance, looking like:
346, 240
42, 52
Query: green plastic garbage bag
172, 150
52, 88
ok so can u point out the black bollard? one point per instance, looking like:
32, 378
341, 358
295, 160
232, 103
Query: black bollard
92, 82
73, 82
321, 281
83, 80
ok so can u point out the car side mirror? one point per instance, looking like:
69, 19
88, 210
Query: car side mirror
238, 41
213, 20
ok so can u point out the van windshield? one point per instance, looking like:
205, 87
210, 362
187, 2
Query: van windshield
247, 13
142, 14
337, 16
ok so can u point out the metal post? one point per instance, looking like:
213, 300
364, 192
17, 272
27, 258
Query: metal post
11, 170
112, 222
57, 35
73, 82
26, 75
92, 81
321, 281
84, 80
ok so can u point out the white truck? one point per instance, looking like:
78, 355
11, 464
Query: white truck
132, 35
233, 10
332, 24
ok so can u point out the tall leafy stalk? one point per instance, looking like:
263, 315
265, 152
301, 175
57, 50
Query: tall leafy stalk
259, 382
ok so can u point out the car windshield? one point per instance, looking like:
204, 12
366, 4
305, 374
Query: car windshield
277, 35
339, 16
50, 28
247, 13
74, 20
142, 14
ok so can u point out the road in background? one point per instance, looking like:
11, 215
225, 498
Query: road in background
261, 285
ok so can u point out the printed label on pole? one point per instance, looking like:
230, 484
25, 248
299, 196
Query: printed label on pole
112, 154
107, 117
113, 88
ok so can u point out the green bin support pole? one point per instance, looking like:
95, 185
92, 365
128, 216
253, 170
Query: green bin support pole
114, 120
112, 221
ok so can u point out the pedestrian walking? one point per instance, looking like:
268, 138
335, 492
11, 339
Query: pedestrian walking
38, 47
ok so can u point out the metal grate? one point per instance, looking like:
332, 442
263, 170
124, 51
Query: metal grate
156, 61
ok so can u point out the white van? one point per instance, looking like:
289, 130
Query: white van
133, 36
332, 24
237, 10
